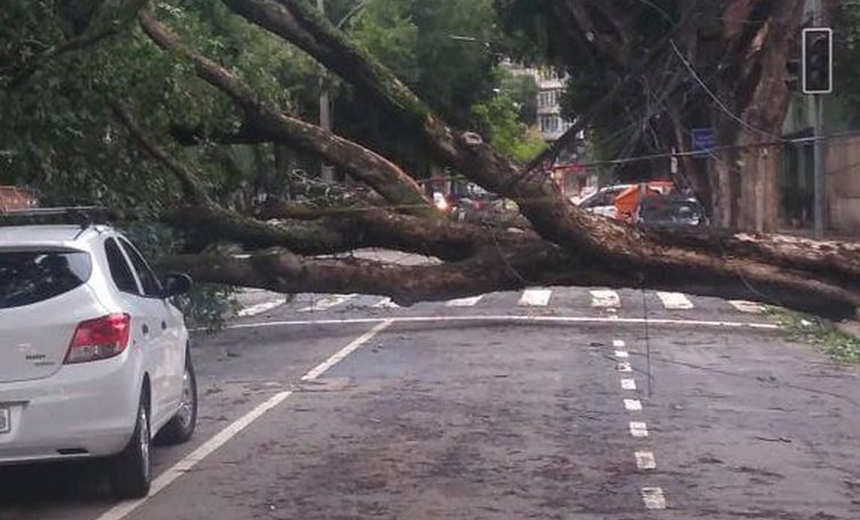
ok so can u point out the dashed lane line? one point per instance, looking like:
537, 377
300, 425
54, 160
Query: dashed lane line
653, 498
628, 384
638, 429
747, 307
625, 366
645, 460
260, 308
675, 301
633, 405
605, 299
464, 302
535, 298
328, 302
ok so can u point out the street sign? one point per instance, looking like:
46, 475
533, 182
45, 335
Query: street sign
702, 139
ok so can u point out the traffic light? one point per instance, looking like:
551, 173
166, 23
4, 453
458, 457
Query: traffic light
817, 61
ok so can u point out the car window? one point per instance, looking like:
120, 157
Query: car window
33, 276
120, 271
148, 279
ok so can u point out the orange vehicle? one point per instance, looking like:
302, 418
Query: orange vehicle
627, 201
621, 200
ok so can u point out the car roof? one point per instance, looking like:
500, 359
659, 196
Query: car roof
49, 235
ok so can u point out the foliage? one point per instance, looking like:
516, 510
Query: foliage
498, 121
822, 334
207, 305
846, 53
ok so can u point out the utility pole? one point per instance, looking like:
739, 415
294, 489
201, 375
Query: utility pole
325, 106
816, 115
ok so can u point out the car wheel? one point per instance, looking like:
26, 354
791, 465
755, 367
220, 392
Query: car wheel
131, 469
180, 428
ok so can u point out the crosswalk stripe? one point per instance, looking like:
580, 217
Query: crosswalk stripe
675, 301
535, 298
605, 299
386, 303
328, 302
748, 307
464, 302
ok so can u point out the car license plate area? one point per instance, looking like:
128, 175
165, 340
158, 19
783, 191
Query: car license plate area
5, 421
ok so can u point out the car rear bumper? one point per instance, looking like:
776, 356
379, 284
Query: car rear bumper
85, 410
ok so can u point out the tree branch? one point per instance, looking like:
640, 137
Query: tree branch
192, 187
379, 173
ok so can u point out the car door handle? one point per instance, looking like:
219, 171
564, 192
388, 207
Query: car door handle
145, 328
163, 325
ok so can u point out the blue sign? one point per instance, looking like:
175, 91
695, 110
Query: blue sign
702, 139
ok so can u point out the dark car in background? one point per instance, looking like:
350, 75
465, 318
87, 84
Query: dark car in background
670, 211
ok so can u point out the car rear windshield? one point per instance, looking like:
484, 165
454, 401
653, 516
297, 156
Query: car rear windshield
28, 277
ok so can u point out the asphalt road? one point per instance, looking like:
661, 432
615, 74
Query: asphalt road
510, 407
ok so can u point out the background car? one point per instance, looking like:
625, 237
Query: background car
94, 357
670, 211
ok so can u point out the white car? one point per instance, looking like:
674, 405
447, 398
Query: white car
94, 357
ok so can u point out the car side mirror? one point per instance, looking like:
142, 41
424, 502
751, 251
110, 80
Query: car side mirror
176, 285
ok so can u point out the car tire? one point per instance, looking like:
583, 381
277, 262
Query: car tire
181, 426
131, 469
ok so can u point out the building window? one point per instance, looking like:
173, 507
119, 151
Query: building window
550, 124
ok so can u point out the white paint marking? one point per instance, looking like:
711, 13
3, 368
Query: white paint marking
748, 307
464, 302
645, 460
633, 405
122, 510
505, 318
653, 498
675, 301
605, 299
617, 343
260, 308
628, 384
535, 298
622, 354
625, 366
347, 350
328, 302
386, 303
638, 429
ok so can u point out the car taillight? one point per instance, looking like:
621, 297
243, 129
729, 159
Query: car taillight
101, 338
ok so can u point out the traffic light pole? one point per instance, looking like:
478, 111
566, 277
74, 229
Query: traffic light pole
817, 102
816, 113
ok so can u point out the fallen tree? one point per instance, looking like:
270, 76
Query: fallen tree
290, 246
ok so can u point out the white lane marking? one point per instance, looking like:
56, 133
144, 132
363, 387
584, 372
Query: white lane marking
327, 302
617, 343
748, 307
638, 429
628, 384
646, 460
260, 308
605, 299
386, 303
464, 302
345, 351
122, 510
633, 405
625, 366
675, 301
506, 318
622, 354
535, 298
653, 498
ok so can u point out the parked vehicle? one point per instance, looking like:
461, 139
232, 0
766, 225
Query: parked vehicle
670, 211
94, 357
619, 201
